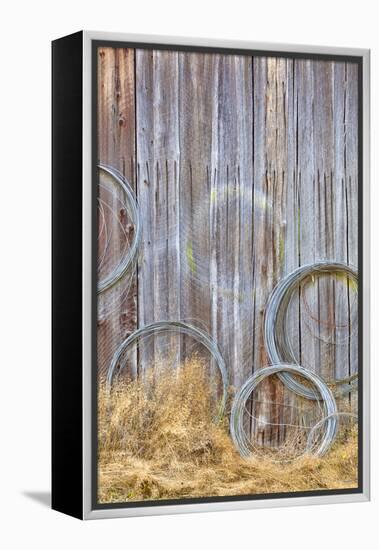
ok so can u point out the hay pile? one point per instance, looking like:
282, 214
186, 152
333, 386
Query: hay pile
158, 440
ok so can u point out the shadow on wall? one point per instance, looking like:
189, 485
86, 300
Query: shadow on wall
41, 497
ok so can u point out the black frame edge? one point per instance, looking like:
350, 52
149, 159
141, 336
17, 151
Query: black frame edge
67, 401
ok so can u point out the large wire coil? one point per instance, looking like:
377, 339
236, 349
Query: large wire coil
112, 278
276, 339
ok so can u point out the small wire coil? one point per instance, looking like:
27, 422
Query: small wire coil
241, 440
320, 423
181, 328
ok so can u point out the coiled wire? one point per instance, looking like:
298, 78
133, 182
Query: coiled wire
276, 338
320, 423
241, 440
181, 328
128, 259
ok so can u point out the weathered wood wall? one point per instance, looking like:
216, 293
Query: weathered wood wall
244, 169
117, 315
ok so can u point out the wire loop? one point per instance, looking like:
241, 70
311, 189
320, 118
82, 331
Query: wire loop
241, 440
276, 339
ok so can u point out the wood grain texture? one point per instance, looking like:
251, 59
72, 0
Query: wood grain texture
275, 224
116, 147
198, 89
158, 191
324, 154
215, 181
351, 178
246, 169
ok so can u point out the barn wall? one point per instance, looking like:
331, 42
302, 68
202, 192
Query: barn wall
244, 168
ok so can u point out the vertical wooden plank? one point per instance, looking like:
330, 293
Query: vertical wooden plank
324, 123
216, 201
351, 159
275, 227
351, 121
158, 192
289, 249
341, 228
235, 209
116, 147
308, 202
316, 205
316, 172
197, 111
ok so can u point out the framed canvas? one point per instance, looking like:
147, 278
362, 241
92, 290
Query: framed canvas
210, 275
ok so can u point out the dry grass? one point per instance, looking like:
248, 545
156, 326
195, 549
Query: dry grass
158, 440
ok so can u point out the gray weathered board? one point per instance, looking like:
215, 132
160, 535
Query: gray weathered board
244, 168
